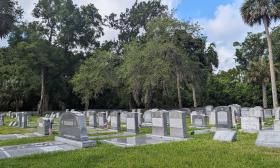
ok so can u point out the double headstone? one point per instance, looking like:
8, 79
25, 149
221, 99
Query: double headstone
159, 123
224, 125
92, 119
102, 120
116, 120
177, 124
44, 126
132, 122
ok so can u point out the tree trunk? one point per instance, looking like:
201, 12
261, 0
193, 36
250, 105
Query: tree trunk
86, 105
147, 99
271, 64
41, 102
179, 90
194, 95
17, 105
264, 96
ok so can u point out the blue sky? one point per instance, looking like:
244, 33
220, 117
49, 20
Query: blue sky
220, 21
199, 8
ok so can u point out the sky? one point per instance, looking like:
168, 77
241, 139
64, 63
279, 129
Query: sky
220, 21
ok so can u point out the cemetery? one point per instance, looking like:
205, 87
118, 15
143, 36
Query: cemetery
139, 84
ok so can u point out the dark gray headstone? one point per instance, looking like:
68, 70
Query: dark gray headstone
2, 120
132, 122
22, 119
116, 120
223, 117
92, 119
73, 126
159, 123
177, 124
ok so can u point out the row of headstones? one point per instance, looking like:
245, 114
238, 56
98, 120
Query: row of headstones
21, 120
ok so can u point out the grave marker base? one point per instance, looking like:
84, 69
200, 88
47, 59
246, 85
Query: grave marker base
268, 138
81, 144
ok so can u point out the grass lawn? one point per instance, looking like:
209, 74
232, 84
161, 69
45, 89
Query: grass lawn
201, 151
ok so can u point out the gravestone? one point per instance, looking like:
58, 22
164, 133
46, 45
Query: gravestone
92, 119
212, 118
277, 113
2, 120
159, 123
245, 111
236, 113
44, 126
132, 122
268, 138
148, 115
72, 125
276, 125
198, 111
208, 109
199, 120
256, 112
140, 117
267, 113
251, 124
123, 117
177, 124
116, 120
102, 122
22, 119
225, 135
223, 117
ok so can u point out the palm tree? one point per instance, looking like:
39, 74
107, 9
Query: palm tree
258, 74
9, 14
263, 11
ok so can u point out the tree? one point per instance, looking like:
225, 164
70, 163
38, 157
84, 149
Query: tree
95, 75
258, 74
263, 11
10, 13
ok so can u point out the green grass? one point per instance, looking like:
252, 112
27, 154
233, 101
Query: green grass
199, 152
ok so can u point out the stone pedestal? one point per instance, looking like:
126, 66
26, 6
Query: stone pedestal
159, 123
178, 124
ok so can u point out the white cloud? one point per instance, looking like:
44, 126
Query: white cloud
225, 28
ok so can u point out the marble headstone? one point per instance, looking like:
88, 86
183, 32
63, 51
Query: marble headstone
159, 123
1, 119
132, 122
245, 111
268, 138
102, 121
267, 113
177, 124
199, 120
251, 124
212, 118
92, 119
225, 135
116, 120
277, 113
256, 112
208, 109
123, 117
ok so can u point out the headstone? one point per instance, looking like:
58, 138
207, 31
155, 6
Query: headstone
236, 113
268, 138
178, 124
92, 119
276, 125
159, 123
223, 117
267, 113
251, 124
132, 122
2, 120
245, 111
123, 117
22, 119
199, 110
102, 122
44, 126
208, 109
212, 118
199, 121
140, 117
73, 126
225, 135
116, 120
148, 115
256, 112
277, 113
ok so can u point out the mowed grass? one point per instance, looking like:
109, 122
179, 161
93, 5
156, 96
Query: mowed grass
198, 152
201, 151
